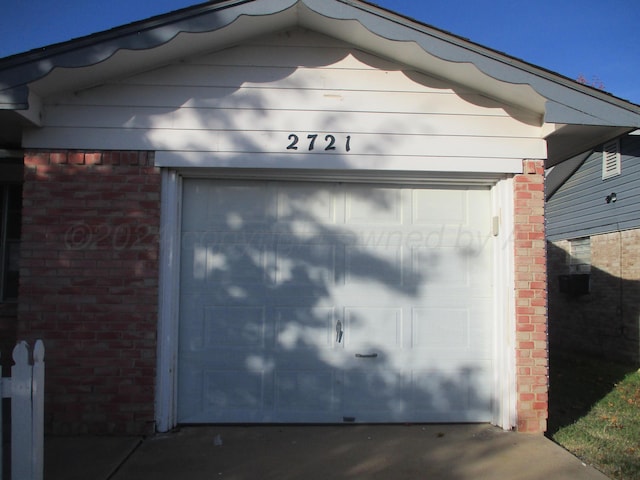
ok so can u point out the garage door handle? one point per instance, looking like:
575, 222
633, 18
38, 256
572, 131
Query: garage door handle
370, 355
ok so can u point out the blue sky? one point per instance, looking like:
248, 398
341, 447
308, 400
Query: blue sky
596, 39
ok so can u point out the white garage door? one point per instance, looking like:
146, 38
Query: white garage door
333, 302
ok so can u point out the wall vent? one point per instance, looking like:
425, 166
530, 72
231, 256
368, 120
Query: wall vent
611, 159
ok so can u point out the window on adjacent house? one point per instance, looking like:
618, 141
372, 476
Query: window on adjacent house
10, 213
611, 163
580, 255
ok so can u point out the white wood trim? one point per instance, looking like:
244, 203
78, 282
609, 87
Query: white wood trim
362, 176
184, 159
261, 120
505, 413
166, 389
505, 392
246, 143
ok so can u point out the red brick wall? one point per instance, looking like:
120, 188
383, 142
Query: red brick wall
531, 299
89, 283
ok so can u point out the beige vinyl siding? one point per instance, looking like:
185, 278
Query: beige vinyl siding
249, 98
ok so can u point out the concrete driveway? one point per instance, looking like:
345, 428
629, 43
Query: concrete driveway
390, 452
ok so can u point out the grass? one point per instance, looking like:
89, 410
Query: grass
595, 413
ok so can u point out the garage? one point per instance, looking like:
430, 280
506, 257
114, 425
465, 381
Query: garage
289, 211
332, 302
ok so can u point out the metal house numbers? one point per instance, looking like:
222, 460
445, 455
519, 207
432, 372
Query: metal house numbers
315, 141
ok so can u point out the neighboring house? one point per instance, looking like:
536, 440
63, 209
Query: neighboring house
593, 228
311, 211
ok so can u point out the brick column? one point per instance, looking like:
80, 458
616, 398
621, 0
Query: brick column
89, 285
531, 299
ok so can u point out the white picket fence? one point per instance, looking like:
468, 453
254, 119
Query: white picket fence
25, 387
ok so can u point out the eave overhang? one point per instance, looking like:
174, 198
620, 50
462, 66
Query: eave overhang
571, 114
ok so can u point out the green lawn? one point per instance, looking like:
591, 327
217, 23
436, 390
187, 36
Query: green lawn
594, 413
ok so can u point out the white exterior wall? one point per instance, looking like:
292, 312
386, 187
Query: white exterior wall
239, 106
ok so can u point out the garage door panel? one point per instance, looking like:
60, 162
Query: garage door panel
373, 394
327, 302
221, 395
204, 265
451, 267
192, 328
305, 391
366, 264
193, 264
230, 204
440, 327
366, 205
232, 390
305, 264
368, 330
239, 204
305, 208
436, 392
451, 332
461, 391
235, 262
236, 327
444, 267
439, 207
308, 329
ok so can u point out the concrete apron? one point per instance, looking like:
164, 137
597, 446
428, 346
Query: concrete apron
390, 452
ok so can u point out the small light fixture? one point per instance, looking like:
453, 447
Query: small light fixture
611, 198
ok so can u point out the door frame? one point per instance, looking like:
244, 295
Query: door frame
504, 378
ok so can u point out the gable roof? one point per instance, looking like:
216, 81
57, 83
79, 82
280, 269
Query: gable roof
575, 116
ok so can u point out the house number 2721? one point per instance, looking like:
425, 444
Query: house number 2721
315, 141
